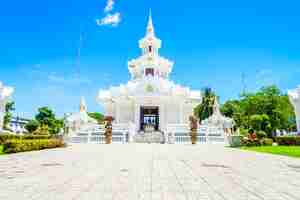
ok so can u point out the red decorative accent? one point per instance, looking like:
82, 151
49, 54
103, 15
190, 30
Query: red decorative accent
150, 71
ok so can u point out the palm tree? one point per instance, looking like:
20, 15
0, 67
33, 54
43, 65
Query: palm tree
205, 109
9, 107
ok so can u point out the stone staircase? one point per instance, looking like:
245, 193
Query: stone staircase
149, 137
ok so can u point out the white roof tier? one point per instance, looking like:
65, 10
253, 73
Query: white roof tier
149, 86
160, 64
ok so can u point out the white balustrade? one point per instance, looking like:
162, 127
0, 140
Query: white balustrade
174, 134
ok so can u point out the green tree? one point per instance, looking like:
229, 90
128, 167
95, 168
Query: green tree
205, 109
32, 126
267, 110
232, 109
260, 122
48, 120
97, 116
9, 107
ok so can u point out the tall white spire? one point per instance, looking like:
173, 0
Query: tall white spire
150, 27
216, 108
82, 105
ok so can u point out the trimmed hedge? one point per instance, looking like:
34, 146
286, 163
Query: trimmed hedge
256, 142
16, 145
266, 141
288, 140
6, 137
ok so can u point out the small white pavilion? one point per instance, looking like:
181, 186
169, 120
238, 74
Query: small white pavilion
80, 121
150, 98
5, 94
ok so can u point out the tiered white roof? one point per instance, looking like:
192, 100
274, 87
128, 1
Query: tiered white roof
156, 82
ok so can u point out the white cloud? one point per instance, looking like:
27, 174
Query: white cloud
109, 6
109, 19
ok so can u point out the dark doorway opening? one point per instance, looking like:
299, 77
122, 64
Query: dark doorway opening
150, 117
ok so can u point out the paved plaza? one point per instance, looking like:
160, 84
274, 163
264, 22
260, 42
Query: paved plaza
148, 171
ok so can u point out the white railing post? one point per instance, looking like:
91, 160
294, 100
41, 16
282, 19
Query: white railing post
88, 137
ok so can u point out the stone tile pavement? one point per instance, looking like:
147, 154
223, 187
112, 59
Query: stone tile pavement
148, 172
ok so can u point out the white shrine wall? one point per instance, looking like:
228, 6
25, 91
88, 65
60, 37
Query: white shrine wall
294, 97
172, 113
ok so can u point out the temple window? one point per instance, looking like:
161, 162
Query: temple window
150, 49
149, 71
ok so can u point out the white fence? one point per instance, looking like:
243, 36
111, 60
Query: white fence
174, 134
97, 138
120, 135
180, 134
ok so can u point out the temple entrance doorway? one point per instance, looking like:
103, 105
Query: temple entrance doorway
149, 118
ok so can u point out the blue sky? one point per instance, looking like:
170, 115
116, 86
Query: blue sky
212, 43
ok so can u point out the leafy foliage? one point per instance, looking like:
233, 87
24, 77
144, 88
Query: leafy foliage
266, 110
9, 107
48, 123
205, 109
6, 137
288, 140
32, 126
16, 145
97, 116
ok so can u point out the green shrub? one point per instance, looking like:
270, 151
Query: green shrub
249, 143
244, 132
16, 145
261, 135
266, 141
288, 140
6, 137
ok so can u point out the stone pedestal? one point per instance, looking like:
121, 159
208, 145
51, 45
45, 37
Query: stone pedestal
108, 129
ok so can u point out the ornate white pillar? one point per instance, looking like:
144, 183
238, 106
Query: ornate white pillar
118, 112
162, 122
137, 116
5, 93
181, 113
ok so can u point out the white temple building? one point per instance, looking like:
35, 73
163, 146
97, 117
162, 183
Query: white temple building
150, 99
80, 121
294, 96
5, 94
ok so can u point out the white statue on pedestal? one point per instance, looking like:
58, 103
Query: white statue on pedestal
294, 96
5, 93
218, 120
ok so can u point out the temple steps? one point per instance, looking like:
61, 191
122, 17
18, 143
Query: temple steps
149, 137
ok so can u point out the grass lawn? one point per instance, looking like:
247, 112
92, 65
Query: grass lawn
1, 149
292, 151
